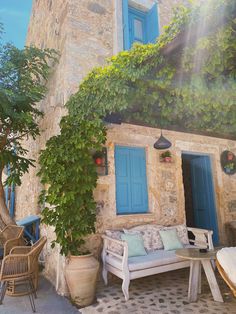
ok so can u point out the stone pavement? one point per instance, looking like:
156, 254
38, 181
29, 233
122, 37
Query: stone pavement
163, 293
48, 302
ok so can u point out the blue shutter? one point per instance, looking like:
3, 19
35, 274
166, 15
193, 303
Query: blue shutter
131, 181
123, 192
126, 37
152, 25
139, 200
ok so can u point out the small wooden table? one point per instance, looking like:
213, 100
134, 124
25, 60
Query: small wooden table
196, 260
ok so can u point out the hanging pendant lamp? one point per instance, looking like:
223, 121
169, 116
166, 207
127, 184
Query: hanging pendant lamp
162, 143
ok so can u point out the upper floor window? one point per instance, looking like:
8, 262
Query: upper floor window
139, 26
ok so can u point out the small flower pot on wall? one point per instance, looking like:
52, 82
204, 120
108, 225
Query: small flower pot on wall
228, 162
166, 156
168, 159
100, 160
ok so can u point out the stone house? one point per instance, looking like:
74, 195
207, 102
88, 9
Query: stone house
86, 32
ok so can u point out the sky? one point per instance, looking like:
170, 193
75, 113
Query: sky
15, 15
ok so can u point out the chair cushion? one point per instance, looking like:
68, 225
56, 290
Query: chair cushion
135, 244
152, 259
170, 239
227, 259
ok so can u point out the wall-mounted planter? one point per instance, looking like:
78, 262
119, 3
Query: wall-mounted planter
166, 157
100, 160
228, 162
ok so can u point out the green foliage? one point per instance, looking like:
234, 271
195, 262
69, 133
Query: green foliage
68, 168
167, 153
195, 87
23, 77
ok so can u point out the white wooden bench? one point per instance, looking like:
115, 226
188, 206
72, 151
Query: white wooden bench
129, 268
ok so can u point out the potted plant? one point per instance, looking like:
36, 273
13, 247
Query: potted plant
98, 158
166, 156
229, 167
70, 179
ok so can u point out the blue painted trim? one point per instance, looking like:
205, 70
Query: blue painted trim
12, 201
126, 39
152, 24
28, 223
11, 197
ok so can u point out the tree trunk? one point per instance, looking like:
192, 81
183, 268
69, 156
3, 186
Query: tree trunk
5, 218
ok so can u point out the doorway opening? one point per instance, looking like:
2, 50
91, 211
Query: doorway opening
199, 193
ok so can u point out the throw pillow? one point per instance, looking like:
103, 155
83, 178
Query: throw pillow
135, 244
145, 233
182, 233
170, 239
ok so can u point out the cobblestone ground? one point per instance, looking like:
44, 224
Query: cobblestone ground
163, 293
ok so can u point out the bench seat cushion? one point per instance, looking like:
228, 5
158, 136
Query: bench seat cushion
153, 259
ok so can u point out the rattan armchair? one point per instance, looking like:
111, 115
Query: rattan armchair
21, 266
11, 236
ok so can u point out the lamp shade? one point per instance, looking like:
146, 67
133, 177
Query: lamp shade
162, 143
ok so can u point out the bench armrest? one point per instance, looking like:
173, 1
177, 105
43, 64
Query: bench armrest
106, 251
203, 237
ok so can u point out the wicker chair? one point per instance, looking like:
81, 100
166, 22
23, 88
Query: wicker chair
21, 266
10, 237
226, 278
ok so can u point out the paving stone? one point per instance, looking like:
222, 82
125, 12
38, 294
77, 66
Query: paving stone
148, 297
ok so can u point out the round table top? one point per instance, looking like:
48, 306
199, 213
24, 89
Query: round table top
194, 254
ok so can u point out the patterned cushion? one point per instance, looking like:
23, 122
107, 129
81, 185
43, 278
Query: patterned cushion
112, 246
157, 243
151, 236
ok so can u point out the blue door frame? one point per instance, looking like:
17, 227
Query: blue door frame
203, 192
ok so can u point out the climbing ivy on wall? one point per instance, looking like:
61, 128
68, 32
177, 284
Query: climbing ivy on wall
141, 84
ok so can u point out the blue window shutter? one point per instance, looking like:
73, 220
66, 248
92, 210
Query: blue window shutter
152, 25
139, 200
122, 166
131, 181
126, 37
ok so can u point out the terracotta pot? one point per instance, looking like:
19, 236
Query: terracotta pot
81, 276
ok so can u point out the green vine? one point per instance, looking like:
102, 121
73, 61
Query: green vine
141, 84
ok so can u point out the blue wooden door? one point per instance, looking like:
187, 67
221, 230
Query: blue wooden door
204, 195
131, 181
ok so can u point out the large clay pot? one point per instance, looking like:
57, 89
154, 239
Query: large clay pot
81, 276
